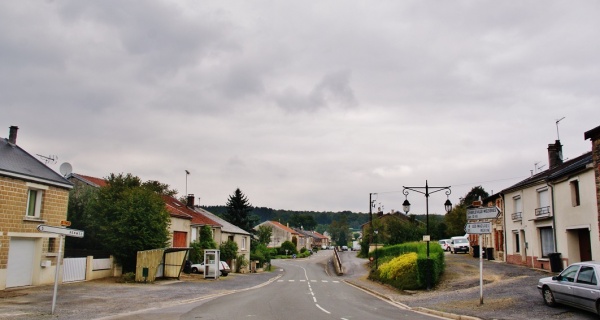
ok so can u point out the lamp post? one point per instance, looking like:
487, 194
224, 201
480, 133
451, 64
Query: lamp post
406, 206
376, 238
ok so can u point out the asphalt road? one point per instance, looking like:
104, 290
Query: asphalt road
304, 290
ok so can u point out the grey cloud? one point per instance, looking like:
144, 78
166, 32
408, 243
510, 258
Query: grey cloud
333, 90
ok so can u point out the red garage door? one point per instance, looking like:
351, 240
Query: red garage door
179, 239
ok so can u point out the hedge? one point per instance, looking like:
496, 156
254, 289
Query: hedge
404, 266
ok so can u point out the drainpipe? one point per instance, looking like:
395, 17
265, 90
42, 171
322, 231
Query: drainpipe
551, 186
504, 226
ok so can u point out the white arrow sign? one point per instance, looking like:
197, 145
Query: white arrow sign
59, 230
479, 228
482, 213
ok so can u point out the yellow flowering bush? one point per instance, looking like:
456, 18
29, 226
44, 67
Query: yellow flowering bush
401, 271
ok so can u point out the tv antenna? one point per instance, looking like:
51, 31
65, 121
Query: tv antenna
49, 159
537, 167
557, 134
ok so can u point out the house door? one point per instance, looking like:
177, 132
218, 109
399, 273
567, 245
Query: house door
179, 239
585, 247
20, 262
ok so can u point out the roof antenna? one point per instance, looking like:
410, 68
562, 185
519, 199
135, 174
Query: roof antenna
49, 159
557, 121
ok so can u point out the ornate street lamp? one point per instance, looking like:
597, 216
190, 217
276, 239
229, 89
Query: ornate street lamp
406, 207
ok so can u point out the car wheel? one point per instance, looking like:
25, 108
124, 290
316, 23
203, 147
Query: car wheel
548, 297
194, 270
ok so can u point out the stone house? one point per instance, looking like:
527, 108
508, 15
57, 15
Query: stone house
281, 234
31, 194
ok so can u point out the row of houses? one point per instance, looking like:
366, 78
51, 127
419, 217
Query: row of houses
553, 214
32, 194
303, 238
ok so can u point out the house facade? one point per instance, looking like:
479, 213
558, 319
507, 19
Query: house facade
553, 212
31, 194
281, 234
226, 232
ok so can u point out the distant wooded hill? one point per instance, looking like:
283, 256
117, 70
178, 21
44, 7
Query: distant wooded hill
308, 219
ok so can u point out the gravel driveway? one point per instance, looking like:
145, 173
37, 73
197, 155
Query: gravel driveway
509, 291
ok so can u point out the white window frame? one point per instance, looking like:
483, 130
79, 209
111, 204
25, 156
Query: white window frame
243, 243
575, 192
38, 190
543, 196
546, 245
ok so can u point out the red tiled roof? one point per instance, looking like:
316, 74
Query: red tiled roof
281, 226
178, 209
100, 182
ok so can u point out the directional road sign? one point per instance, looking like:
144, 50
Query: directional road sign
482, 213
59, 230
479, 228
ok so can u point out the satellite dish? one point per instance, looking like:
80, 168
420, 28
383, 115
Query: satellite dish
66, 168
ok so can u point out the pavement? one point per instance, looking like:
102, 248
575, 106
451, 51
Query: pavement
509, 290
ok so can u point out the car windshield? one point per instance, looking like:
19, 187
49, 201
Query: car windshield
460, 241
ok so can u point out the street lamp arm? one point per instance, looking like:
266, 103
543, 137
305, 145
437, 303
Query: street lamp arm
427, 190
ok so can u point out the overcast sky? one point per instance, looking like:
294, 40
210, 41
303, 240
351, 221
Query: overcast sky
303, 105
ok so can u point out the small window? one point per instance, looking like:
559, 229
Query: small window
244, 243
517, 243
51, 245
575, 193
34, 203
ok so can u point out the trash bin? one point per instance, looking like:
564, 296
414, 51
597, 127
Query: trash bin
187, 267
476, 251
489, 253
556, 264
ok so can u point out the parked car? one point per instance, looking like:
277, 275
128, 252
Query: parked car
459, 244
344, 248
223, 267
576, 286
445, 244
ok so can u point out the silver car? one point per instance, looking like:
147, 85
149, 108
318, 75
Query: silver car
576, 286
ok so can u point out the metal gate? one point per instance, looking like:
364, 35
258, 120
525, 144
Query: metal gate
74, 269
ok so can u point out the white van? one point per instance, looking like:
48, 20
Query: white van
459, 244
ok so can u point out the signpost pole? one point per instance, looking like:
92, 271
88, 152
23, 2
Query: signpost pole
480, 271
58, 258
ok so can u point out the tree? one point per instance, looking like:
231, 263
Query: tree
457, 218
229, 250
129, 218
239, 210
264, 234
160, 188
206, 242
339, 230
82, 218
289, 246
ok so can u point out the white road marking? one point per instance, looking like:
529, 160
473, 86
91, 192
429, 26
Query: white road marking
318, 306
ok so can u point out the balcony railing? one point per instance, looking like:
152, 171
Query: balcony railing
517, 216
543, 212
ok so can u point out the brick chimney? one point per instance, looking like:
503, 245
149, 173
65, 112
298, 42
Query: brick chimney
555, 156
12, 136
190, 200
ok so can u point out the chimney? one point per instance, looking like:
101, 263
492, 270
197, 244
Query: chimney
12, 137
190, 200
555, 156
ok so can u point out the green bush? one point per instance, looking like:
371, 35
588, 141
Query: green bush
389, 254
